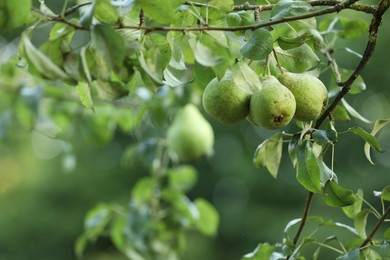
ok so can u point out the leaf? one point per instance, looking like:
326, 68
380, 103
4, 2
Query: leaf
353, 28
14, 14
289, 8
299, 59
243, 75
258, 46
269, 153
208, 220
357, 86
80, 245
142, 192
339, 113
369, 138
84, 92
352, 210
182, 178
353, 112
160, 10
386, 235
307, 169
224, 5
125, 119
203, 54
109, 44
89, 12
292, 148
384, 194
350, 255
336, 196
104, 12
97, 220
261, 252
41, 64
323, 137
379, 124
360, 223
287, 43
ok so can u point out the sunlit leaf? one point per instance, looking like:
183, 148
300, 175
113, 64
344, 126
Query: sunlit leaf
243, 75
360, 222
299, 59
258, 46
339, 113
269, 153
203, 54
105, 12
182, 178
261, 252
289, 8
353, 28
379, 124
337, 196
208, 217
142, 192
14, 14
160, 10
225, 5
353, 112
386, 235
85, 94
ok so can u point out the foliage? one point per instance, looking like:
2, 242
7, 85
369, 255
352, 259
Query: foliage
130, 66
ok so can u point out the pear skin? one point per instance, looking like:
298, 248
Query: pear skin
190, 135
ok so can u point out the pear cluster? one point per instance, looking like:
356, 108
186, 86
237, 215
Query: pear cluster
280, 99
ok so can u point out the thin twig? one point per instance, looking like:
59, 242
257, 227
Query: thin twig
73, 9
378, 224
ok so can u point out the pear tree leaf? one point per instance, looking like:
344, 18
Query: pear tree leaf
353, 28
224, 5
336, 196
307, 169
352, 210
323, 137
269, 153
386, 235
88, 13
287, 43
292, 148
109, 44
369, 138
125, 119
379, 124
258, 46
160, 10
360, 222
84, 92
262, 251
14, 14
208, 220
289, 8
143, 190
40, 63
357, 86
350, 255
105, 12
182, 178
353, 112
243, 75
299, 59
203, 54
203, 75
384, 194
340, 114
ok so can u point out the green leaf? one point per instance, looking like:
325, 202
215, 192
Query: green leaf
269, 153
353, 112
360, 223
105, 12
299, 59
117, 233
340, 114
369, 138
384, 194
41, 64
258, 46
353, 28
295, 140
386, 235
243, 75
350, 255
337, 196
142, 192
287, 43
80, 245
352, 210
203, 75
97, 220
182, 178
307, 168
261, 252
379, 124
84, 93
208, 220
160, 10
203, 54
224, 5
289, 8
357, 86
14, 14
125, 119
99, 128
109, 44
89, 12
323, 137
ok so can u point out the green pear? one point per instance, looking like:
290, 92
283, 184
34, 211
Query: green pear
310, 94
274, 106
225, 101
190, 136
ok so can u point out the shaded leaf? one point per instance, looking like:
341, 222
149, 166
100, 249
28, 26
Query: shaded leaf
182, 178
353, 28
353, 112
287, 43
337, 196
370, 139
386, 235
84, 93
261, 252
339, 113
350, 255
379, 124
384, 194
258, 46
269, 153
299, 59
208, 220
104, 12
352, 210
360, 222
142, 192
307, 169
243, 75
160, 10
289, 8
203, 54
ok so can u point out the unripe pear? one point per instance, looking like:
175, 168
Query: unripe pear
274, 106
225, 101
190, 136
310, 94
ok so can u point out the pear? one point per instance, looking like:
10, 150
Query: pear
225, 101
310, 94
274, 106
190, 136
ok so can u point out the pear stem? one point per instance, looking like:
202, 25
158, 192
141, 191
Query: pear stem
277, 60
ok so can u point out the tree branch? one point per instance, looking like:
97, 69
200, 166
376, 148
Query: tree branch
378, 224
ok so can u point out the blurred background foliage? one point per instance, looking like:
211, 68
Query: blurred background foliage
47, 186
